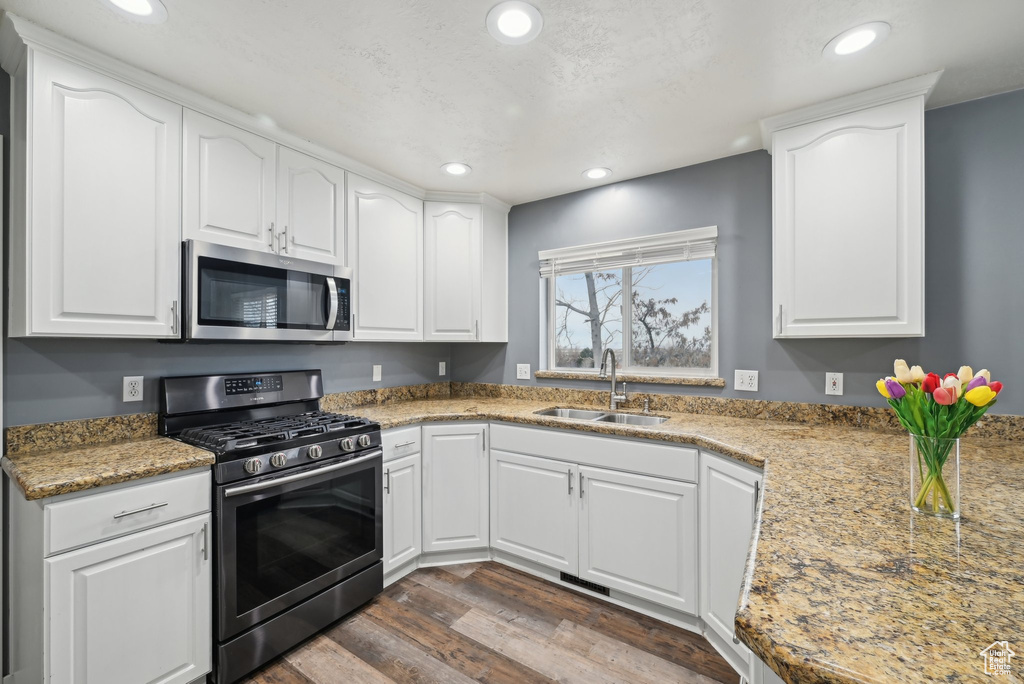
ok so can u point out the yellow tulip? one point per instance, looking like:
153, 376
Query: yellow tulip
902, 372
980, 396
916, 374
983, 373
965, 374
881, 388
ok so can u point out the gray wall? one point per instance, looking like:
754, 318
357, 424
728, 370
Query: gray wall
974, 290
60, 379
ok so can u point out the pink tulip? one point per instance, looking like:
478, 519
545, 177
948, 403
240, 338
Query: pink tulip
944, 396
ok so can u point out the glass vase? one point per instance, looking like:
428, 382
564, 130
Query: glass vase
935, 476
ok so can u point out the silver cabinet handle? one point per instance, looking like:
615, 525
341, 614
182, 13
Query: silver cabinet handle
405, 444
174, 317
206, 544
581, 485
387, 481
570, 481
332, 297
757, 497
267, 484
150, 507
476, 330
283, 244
271, 229
779, 326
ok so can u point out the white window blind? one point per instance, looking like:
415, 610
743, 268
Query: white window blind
682, 245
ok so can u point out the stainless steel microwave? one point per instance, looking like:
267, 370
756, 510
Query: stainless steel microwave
239, 294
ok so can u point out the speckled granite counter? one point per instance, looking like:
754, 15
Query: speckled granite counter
40, 474
843, 584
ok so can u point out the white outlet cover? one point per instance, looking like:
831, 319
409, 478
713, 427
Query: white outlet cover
745, 381
132, 388
834, 384
376, 373
522, 371
442, 368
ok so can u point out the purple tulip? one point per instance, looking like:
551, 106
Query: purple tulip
976, 381
896, 390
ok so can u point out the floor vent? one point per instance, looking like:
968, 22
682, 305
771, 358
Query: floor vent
597, 588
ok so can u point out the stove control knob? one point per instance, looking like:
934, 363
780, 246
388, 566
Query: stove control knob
253, 466
347, 444
278, 460
364, 440
315, 451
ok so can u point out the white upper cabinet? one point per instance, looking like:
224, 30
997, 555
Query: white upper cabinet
310, 207
95, 233
385, 251
848, 215
229, 188
465, 272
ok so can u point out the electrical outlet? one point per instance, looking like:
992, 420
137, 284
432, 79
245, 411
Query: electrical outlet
745, 381
522, 371
834, 383
376, 373
442, 368
131, 388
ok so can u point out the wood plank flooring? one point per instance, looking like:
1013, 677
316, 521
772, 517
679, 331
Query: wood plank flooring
486, 622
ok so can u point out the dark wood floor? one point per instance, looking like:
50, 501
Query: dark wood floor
486, 622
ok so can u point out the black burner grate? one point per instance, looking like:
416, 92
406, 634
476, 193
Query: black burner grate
246, 434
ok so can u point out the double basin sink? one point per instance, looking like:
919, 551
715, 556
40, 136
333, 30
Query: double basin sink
602, 416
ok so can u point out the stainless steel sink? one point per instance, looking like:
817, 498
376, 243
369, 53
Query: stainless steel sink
575, 414
630, 419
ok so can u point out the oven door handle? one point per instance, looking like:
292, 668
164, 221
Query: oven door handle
267, 484
332, 297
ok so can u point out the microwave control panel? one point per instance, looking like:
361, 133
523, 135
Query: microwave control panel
344, 304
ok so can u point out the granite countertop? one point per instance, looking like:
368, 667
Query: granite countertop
843, 583
44, 473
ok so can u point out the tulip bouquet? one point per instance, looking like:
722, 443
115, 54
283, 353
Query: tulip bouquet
936, 411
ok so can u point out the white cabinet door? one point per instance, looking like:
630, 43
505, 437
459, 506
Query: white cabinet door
133, 609
310, 208
385, 252
403, 522
102, 239
849, 224
638, 534
228, 193
455, 487
534, 513
452, 293
729, 495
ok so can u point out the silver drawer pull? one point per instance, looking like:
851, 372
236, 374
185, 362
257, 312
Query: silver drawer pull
405, 444
150, 507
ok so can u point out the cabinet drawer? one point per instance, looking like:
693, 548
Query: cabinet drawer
400, 442
96, 517
645, 457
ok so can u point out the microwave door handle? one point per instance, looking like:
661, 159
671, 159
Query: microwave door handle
332, 297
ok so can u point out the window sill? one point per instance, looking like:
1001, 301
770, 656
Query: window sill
631, 377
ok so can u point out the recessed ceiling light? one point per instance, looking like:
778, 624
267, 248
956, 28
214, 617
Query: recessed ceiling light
146, 11
597, 173
857, 38
456, 168
514, 22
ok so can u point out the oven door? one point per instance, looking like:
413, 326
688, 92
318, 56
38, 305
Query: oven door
238, 294
283, 539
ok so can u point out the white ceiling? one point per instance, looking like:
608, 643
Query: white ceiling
639, 86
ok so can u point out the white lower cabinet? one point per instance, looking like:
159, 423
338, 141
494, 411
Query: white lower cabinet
534, 510
638, 534
133, 609
729, 494
455, 487
127, 596
403, 518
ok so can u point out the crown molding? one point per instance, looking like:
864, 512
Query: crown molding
468, 197
918, 86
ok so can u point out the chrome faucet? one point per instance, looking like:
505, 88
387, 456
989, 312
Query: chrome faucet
613, 398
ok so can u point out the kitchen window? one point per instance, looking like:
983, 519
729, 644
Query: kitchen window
652, 300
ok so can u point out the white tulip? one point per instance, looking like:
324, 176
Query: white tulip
916, 373
901, 371
983, 373
965, 374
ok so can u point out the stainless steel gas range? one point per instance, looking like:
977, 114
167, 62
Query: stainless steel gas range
297, 508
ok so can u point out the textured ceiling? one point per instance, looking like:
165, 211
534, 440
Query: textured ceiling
639, 86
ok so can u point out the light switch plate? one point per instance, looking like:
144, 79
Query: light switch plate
131, 388
745, 381
376, 373
834, 384
522, 371
442, 368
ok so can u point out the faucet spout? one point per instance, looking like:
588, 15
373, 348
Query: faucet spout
613, 399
